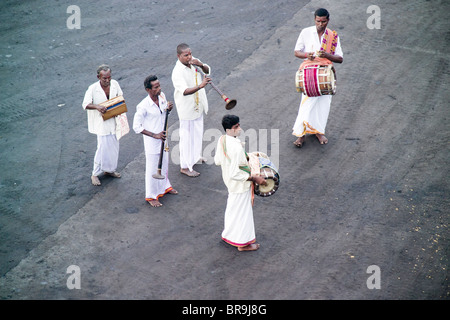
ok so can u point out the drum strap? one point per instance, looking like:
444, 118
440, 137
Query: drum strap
329, 41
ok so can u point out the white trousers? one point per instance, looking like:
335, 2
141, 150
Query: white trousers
106, 155
312, 115
155, 188
239, 227
191, 140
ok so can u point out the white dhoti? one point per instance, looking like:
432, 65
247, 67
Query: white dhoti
312, 115
239, 229
191, 140
156, 188
106, 155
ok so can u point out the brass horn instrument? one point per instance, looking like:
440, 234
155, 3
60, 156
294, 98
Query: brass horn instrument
230, 103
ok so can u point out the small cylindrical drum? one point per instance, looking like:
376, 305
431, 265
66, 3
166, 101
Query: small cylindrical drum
260, 161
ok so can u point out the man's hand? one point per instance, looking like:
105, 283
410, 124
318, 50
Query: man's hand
259, 180
196, 62
329, 56
205, 81
97, 107
199, 64
169, 105
161, 135
101, 109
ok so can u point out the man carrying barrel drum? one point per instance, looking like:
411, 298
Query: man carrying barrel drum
316, 44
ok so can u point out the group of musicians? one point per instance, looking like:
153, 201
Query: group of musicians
316, 44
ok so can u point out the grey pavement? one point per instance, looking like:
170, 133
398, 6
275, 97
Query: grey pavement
376, 194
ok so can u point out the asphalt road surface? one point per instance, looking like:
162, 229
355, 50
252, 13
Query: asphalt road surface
370, 207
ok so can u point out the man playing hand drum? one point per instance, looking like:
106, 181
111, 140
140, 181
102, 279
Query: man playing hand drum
239, 228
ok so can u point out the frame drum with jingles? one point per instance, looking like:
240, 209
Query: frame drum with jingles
114, 107
316, 80
269, 172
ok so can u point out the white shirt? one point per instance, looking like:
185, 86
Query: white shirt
308, 41
96, 95
234, 178
183, 77
150, 117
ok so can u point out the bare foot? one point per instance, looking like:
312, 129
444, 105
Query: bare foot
250, 247
95, 181
155, 203
322, 138
300, 141
192, 173
113, 174
173, 191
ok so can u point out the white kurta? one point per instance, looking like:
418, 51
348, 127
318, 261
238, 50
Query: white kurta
190, 109
95, 94
313, 112
239, 227
150, 117
182, 78
107, 153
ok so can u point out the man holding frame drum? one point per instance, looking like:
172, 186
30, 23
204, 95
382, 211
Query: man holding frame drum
317, 45
239, 228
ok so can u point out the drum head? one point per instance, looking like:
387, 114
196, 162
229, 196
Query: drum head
273, 181
332, 80
267, 188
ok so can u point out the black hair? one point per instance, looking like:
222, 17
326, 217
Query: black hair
148, 81
321, 12
181, 47
229, 120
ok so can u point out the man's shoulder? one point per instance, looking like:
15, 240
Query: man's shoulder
177, 65
143, 102
115, 83
93, 85
232, 141
309, 29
